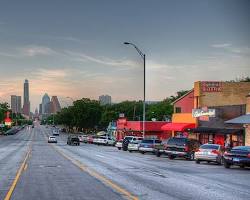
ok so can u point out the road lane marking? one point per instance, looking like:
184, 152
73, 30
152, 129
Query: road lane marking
25, 167
99, 156
19, 172
98, 176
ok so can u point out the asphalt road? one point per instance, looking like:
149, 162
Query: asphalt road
59, 171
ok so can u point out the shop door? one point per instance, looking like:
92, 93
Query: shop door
219, 139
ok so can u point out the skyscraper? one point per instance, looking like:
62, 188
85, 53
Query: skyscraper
45, 101
13, 104
55, 105
105, 99
26, 101
16, 104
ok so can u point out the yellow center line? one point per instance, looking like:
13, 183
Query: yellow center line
20, 170
98, 176
8, 196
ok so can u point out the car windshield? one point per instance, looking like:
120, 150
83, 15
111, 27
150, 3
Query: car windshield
210, 146
147, 141
128, 138
241, 148
177, 141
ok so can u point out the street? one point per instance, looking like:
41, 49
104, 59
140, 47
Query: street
60, 171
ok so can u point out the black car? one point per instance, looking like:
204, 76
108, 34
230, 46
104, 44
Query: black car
239, 156
181, 147
73, 140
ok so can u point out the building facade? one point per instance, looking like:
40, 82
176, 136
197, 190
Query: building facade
26, 101
213, 104
16, 104
105, 100
45, 101
55, 105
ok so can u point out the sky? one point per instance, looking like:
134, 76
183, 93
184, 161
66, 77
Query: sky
75, 48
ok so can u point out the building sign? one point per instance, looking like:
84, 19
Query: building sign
7, 120
211, 86
203, 112
122, 121
121, 115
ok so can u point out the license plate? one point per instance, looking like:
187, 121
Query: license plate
236, 159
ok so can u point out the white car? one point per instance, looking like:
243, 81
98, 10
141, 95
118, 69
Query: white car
103, 140
119, 144
52, 139
134, 145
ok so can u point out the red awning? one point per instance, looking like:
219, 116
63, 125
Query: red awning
177, 126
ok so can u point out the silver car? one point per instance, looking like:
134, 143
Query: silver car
210, 153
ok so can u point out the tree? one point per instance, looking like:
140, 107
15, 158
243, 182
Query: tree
4, 107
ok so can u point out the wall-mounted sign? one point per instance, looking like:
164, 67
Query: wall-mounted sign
211, 86
121, 115
203, 112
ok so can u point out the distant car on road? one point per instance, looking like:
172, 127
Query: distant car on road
239, 156
52, 139
210, 153
182, 147
55, 132
147, 145
73, 140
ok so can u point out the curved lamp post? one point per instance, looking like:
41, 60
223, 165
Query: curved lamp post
143, 56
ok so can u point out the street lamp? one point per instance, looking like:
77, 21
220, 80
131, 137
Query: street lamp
143, 56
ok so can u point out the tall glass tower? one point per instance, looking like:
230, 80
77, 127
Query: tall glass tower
26, 101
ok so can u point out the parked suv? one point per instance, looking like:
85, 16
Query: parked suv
129, 139
181, 147
73, 140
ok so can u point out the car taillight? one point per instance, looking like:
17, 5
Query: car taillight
226, 153
248, 155
186, 148
215, 151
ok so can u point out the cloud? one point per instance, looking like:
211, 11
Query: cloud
82, 57
232, 49
224, 45
36, 50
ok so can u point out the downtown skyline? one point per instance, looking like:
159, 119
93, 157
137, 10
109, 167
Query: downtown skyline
77, 50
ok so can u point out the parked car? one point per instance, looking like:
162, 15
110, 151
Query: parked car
147, 145
182, 147
80, 138
52, 139
134, 145
160, 149
73, 140
239, 156
210, 153
90, 139
85, 138
104, 140
127, 140
119, 144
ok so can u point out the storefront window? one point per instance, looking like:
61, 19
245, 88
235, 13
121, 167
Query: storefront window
204, 138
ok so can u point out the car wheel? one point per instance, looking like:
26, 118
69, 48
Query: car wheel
142, 152
158, 154
171, 157
242, 166
226, 165
119, 148
130, 151
198, 162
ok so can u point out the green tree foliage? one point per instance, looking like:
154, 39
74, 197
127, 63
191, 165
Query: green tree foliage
3, 108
